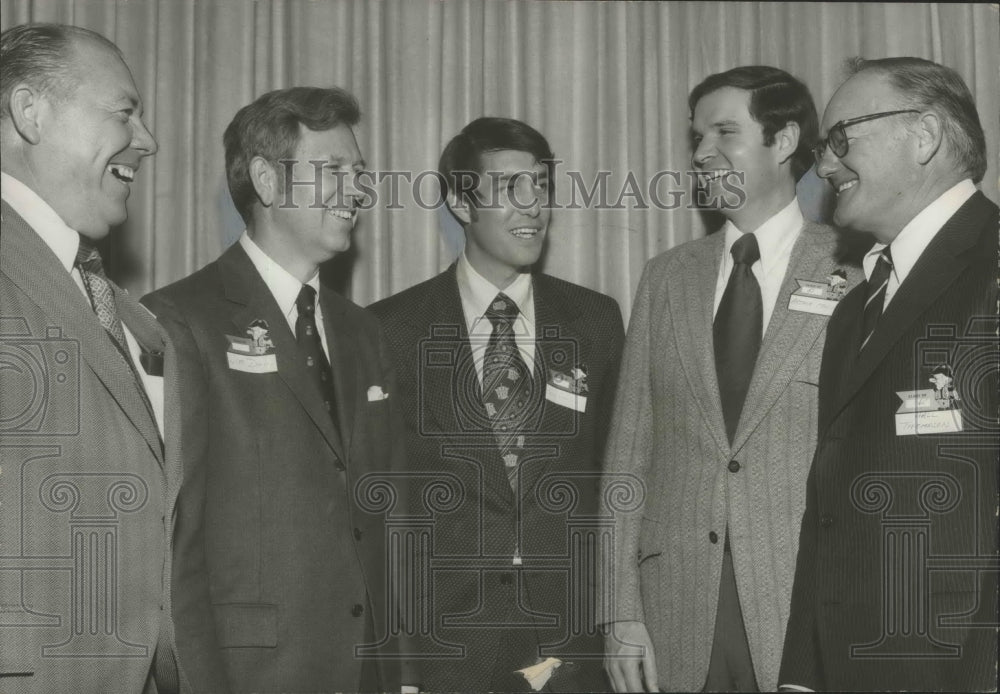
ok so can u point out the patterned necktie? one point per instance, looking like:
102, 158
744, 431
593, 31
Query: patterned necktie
875, 298
737, 332
507, 384
311, 347
102, 297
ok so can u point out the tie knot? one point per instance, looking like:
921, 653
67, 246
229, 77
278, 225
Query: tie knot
305, 302
745, 251
502, 310
89, 259
886, 256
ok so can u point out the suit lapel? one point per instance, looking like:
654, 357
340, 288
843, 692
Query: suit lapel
943, 260
559, 346
691, 293
448, 393
245, 287
789, 338
33, 267
343, 363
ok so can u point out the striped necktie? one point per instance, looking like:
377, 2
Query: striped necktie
875, 299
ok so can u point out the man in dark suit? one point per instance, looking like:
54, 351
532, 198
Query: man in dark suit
895, 585
506, 379
287, 391
88, 394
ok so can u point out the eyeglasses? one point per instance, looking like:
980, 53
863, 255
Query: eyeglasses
837, 137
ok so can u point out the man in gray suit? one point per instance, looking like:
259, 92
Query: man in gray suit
716, 407
87, 493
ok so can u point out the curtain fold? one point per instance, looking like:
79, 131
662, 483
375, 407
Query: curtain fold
607, 83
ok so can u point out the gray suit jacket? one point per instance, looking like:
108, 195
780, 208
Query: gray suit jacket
668, 432
86, 494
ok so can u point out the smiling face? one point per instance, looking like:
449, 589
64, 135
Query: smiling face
310, 224
878, 180
727, 140
505, 232
90, 143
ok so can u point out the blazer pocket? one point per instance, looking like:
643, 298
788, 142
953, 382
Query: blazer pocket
246, 625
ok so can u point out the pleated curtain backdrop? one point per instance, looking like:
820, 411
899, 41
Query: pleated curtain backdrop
606, 82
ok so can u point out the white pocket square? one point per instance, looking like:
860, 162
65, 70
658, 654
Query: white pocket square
375, 393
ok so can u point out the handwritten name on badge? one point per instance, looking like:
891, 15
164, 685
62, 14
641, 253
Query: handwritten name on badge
253, 353
924, 412
819, 298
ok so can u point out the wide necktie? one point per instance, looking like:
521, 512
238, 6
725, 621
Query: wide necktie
102, 299
507, 385
102, 296
737, 332
307, 335
875, 296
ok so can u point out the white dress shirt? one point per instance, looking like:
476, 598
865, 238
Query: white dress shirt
775, 238
477, 294
65, 242
914, 238
284, 287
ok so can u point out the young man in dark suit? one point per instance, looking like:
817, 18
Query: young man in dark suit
285, 386
506, 379
895, 585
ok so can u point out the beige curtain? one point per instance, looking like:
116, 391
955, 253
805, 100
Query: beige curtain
606, 82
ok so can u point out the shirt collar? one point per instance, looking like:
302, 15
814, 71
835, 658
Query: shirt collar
477, 293
40, 216
283, 285
774, 236
914, 238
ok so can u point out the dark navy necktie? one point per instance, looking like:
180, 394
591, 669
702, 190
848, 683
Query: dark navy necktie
311, 347
878, 283
737, 332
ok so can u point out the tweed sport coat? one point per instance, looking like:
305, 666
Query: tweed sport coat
476, 594
87, 495
668, 432
270, 509
896, 582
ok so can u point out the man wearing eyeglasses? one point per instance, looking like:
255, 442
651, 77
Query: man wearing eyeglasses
895, 584
716, 411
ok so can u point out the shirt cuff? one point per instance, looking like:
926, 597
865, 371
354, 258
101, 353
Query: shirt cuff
794, 688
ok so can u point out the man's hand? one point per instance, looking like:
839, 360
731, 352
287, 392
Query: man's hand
629, 659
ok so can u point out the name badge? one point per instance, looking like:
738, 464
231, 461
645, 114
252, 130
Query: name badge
819, 298
254, 353
926, 412
567, 389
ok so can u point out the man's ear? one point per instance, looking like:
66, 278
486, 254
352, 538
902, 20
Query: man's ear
786, 141
25, 108
930, 133
265, 180
460, 207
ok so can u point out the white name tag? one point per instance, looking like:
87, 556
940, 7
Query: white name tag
254, 364
939, 422
565, 398
922, 413
811, 304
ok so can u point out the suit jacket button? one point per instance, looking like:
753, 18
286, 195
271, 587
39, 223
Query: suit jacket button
734, 466
357, 610
826, 521
339, 465
357, 533
713, 537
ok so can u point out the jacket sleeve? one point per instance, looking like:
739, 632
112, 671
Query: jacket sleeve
627, 459
199, 656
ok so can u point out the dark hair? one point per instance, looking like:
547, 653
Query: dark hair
461, 160
776, 98
41, 55
270, 128
925, 85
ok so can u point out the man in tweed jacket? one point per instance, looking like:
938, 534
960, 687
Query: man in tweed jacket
701, 574
88, 389
505, 589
